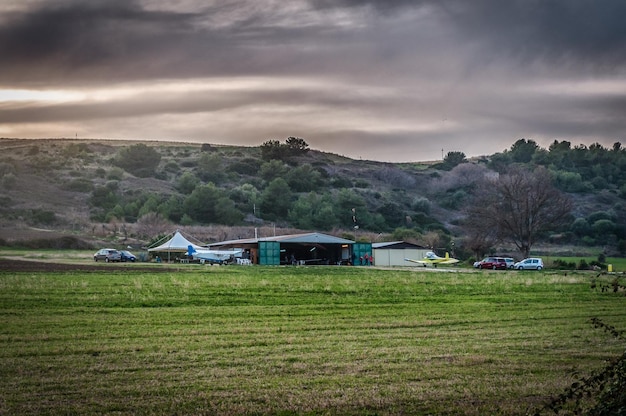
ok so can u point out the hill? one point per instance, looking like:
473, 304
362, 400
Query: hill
130, 192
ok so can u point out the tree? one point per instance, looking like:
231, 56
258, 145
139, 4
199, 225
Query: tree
479, 237
138, 159
151, 205
431, 239
580, 227
200, 204
296, 145
453, 159
393, 214
104, 197
272, 149
245, 197
313, 211
293, 146
304, 178
519, 206
276, 200
421, 204
173, 208
604, 230
152, 224
226, 212
352, 209
210, 167
273, 169
187, 183
522, 151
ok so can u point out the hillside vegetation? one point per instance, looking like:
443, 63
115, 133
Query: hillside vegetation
138, 190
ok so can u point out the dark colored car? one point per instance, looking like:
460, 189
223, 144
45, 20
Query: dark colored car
128, 256
495, 263
107, 254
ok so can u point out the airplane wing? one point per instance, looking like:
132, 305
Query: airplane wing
435, 263
210, 256
217, 256
432, 258
422, 262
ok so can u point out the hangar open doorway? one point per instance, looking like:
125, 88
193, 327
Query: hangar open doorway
308, 248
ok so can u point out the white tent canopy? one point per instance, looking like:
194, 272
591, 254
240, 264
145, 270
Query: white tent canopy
177, 244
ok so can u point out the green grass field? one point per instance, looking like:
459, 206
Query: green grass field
299, 340
618, 263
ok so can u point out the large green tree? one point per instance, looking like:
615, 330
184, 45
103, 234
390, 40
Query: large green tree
304, 178
272, 149
139, 160
451, 160
200, 204
226, 212
276, 200
313, 211
296, 146
523, 150
210, 167
293, 146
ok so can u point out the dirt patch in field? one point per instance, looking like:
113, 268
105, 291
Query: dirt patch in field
10, 265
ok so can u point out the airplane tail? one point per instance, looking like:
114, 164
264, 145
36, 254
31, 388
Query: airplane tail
190, 250
447, 255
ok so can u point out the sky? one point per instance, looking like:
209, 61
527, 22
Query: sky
386, 80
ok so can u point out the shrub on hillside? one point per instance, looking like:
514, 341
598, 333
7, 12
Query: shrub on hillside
139, 159
79, 185
9, 181
43, 217
559, 264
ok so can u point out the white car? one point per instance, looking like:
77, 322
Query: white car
532, 263
510, 262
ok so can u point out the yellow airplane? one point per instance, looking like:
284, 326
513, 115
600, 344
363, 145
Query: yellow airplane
431, 259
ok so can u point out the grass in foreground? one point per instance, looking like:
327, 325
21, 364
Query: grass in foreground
281, 340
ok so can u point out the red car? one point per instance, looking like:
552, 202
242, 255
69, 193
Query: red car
495, 263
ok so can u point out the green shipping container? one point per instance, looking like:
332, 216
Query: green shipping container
269, 253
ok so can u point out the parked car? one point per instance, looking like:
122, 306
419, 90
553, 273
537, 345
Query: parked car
107, 254
532, 263
128, 256
495, 263
510, 262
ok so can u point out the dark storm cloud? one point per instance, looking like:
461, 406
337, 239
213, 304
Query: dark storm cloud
582, 31
379, 5
76, 42
118, 39
104, 39
381, 76
585, 32
122, 39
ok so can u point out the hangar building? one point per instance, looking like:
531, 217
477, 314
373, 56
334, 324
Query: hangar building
308, 248
393, 253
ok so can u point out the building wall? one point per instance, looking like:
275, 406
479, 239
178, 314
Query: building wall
390, 257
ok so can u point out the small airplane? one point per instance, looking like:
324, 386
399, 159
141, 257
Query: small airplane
431, 259
213, 256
